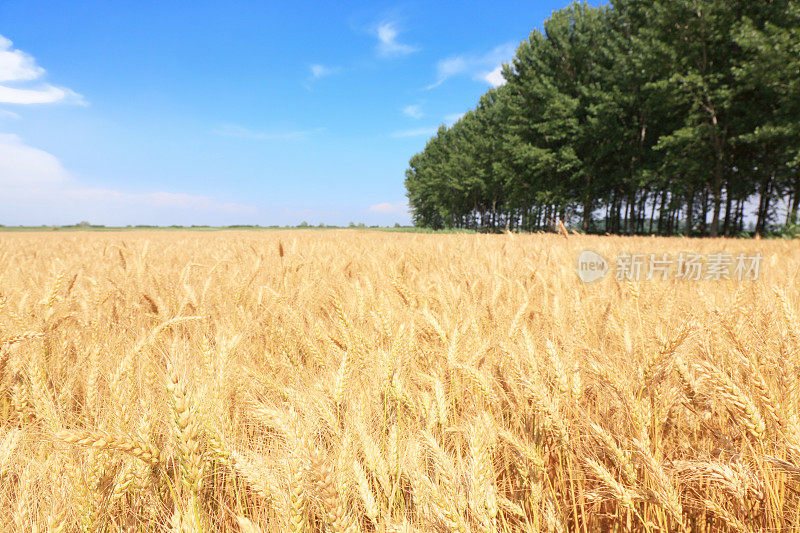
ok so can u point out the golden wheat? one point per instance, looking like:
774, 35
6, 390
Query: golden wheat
355, 381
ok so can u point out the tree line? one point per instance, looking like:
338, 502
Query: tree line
634, 117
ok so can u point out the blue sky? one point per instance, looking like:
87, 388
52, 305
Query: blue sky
234, 112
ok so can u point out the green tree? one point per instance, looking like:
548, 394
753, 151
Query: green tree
668, 116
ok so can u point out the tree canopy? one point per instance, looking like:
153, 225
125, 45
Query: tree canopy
635, 117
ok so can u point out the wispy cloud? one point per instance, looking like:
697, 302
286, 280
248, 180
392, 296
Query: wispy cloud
453, 118
19, 67
232, 130
418, 132
388, 45
413, 111
25, 166
45, 94
430, 131
447, 68
485, 67
16, 65
320, 71
495, 77
33, 179
8, 114
389, 208
189, 202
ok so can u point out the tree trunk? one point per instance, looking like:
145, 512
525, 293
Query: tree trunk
740, 216
761, 197
727, 226
643, 211
703, 222
717, 192
587, 214
763, 206
795, 202
653, 212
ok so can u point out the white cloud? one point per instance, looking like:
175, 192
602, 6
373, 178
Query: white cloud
413, 111
453, 118
8, 114
418, 132
45, 94
320, 71
16, 66
189, 202
232, 130
485, 67
388, 46
447, 68
35, 188
22, 166
495, 77
387, 208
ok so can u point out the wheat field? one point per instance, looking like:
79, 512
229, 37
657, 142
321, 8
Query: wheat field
362, 381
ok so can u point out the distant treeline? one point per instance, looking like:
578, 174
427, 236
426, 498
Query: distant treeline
637, 117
